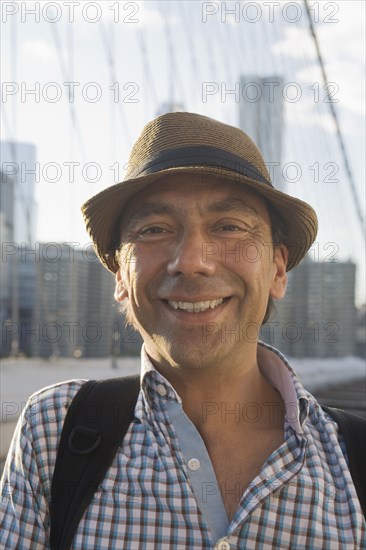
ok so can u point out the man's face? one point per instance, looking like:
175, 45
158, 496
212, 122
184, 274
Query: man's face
204, 248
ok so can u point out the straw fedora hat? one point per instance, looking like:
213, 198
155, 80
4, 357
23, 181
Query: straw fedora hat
187, 142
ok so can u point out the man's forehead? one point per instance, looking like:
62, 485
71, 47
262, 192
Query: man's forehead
165, 196
219, 205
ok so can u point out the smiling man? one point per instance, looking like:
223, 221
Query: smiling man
194, 253
226, 448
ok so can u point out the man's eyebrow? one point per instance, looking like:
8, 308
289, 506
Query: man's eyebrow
231, 204
150, 208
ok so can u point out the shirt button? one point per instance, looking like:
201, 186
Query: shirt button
161, 390
222, 545
194, 464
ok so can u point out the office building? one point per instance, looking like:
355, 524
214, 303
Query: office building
317, 317
74, 307
19, 166
17, 224
261, 116
75, 312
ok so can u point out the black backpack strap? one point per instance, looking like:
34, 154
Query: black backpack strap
95, 425
353, 430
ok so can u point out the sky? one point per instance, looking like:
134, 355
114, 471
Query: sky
125, 59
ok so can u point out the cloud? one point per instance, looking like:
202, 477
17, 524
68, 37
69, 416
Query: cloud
39, 49
345, 39
306, 115
348, 86
138, 14
296, 44
152, 18
342, 48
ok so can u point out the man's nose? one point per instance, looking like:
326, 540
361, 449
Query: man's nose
189, 258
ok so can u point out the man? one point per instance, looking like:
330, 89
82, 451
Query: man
226, 449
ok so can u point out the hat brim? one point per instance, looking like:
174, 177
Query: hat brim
102, 212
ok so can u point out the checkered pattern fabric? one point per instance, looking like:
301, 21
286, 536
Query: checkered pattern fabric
303, 497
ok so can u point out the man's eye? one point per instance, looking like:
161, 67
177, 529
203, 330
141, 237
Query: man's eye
230, 227
151, 230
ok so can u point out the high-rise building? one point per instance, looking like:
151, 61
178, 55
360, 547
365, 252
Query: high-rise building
317, 317
75, 313
18, 164
74, 305
6, 240
361, 332
19, 174
261, 117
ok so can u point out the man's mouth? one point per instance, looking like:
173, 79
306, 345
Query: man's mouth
197, 307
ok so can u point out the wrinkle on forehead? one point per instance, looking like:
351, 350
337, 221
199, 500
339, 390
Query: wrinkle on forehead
230, 204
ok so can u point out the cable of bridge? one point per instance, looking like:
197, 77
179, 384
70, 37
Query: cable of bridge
66, 75
334, 114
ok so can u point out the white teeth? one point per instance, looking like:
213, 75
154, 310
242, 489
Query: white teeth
196, 306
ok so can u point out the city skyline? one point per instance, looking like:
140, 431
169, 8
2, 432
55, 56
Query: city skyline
199, 65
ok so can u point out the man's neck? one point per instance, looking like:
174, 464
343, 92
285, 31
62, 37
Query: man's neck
232, 397
247, 403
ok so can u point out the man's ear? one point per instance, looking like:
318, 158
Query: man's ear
279, 283
120, 291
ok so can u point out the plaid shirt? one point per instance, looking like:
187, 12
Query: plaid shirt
159, 492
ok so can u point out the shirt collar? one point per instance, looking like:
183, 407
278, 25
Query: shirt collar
151, 380
273, 366
277, 370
